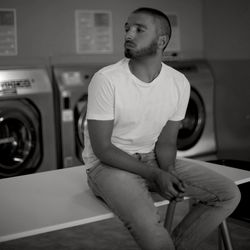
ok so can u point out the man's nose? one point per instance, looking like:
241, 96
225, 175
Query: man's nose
130, 35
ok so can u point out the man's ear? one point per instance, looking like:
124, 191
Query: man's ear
163, 41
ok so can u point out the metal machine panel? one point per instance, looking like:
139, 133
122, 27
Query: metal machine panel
27, 122
71, 92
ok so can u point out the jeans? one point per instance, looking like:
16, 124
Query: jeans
129, 197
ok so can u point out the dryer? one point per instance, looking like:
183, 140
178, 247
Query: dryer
71, 92
196, 138
27, 122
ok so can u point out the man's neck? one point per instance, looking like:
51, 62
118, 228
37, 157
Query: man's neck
145, 69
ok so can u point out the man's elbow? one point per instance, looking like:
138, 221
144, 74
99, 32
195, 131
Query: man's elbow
101, 150
165, 145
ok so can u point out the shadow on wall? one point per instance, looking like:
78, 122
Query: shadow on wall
232, 108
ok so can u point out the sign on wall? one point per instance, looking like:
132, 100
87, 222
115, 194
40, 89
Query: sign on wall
8, 34
94, 34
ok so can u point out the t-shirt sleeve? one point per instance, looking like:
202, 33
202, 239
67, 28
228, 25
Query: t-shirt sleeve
184, 95
100, 98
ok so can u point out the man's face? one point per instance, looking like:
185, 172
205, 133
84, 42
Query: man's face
141, 38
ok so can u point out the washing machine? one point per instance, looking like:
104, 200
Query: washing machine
196, 138
27, 122
71, 92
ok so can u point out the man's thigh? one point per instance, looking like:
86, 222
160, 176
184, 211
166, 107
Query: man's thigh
125, 193
203, 183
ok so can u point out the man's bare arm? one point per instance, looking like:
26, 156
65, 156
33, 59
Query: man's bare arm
166, 146
100, 136
166, 149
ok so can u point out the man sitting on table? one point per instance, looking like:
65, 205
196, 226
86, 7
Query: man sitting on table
135, 107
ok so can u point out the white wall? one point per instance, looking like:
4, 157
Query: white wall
46, 28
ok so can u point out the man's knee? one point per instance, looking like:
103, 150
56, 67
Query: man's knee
231, 196
235, 196
157, 243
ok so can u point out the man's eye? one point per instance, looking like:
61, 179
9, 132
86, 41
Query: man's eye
140, 30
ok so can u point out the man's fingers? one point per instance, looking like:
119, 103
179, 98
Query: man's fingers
168, 196
180, 185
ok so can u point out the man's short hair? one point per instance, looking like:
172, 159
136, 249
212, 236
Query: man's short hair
165, 26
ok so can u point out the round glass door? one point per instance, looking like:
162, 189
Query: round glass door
19, 139
193, 124
81, 123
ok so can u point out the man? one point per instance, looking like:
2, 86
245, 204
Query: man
134, 111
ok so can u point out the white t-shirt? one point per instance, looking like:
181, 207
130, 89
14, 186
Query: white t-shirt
140, 110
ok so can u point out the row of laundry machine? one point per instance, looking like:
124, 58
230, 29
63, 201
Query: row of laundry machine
42, 116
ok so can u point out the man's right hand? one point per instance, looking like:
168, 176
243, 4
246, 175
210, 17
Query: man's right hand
169, 185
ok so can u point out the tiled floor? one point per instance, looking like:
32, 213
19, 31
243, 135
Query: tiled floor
111, 235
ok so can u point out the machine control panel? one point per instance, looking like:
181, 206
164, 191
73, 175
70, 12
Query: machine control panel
24, 81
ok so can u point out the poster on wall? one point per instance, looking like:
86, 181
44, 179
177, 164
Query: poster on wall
94, 34
8, 34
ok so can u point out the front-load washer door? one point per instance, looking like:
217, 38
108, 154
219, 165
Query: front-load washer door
20, 138
80, 123
193, 124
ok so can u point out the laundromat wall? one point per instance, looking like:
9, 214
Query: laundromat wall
46, 29
227, 48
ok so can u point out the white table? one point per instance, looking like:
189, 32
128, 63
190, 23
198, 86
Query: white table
58, 199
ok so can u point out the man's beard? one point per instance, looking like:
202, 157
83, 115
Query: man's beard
150, 50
